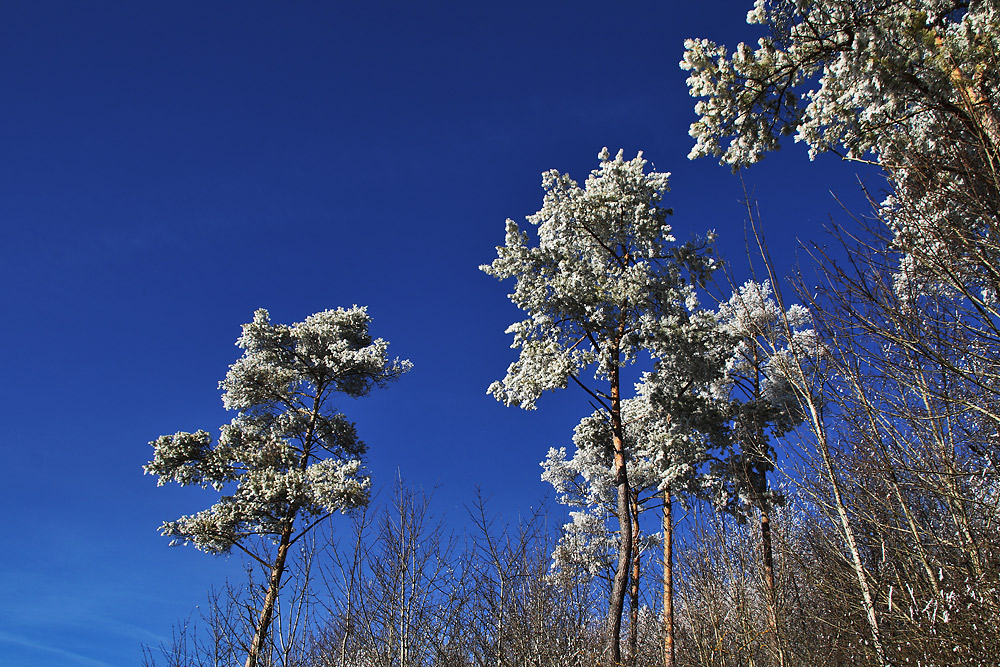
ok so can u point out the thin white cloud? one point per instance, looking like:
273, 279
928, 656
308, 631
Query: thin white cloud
77, 658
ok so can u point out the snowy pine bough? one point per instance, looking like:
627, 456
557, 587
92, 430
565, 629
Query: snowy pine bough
851, 76
910, 84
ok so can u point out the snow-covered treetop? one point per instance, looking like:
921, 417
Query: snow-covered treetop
599, 282
329, 352
770, 348
850, 75
288, 452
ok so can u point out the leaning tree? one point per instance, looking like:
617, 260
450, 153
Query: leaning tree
289, 459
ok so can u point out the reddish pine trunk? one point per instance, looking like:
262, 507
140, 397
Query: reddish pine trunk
273, 584
668, 579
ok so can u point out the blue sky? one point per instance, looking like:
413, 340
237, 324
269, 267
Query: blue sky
168, 168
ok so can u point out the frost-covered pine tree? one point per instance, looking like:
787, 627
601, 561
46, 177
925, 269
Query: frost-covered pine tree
669, 432
763, 406
687, 405
597, 288
910, 83
671, 428
289, 459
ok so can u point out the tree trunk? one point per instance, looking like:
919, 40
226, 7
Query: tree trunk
668, 579
273, 585
767, 554
633, 596
819, 429
975, 108
618, 589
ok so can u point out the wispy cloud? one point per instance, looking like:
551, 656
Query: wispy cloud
76, 658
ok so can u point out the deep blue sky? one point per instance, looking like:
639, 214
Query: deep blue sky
167, 168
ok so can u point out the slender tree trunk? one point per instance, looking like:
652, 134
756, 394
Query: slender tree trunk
349, 627
273, 585
848, 531
500, 617
402, 595
347, 634
755, 467
668, 578
620, 584
767, 554
633, 616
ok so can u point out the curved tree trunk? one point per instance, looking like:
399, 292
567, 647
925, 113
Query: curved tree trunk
620, 584
633, 593
618, 589
273, 585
